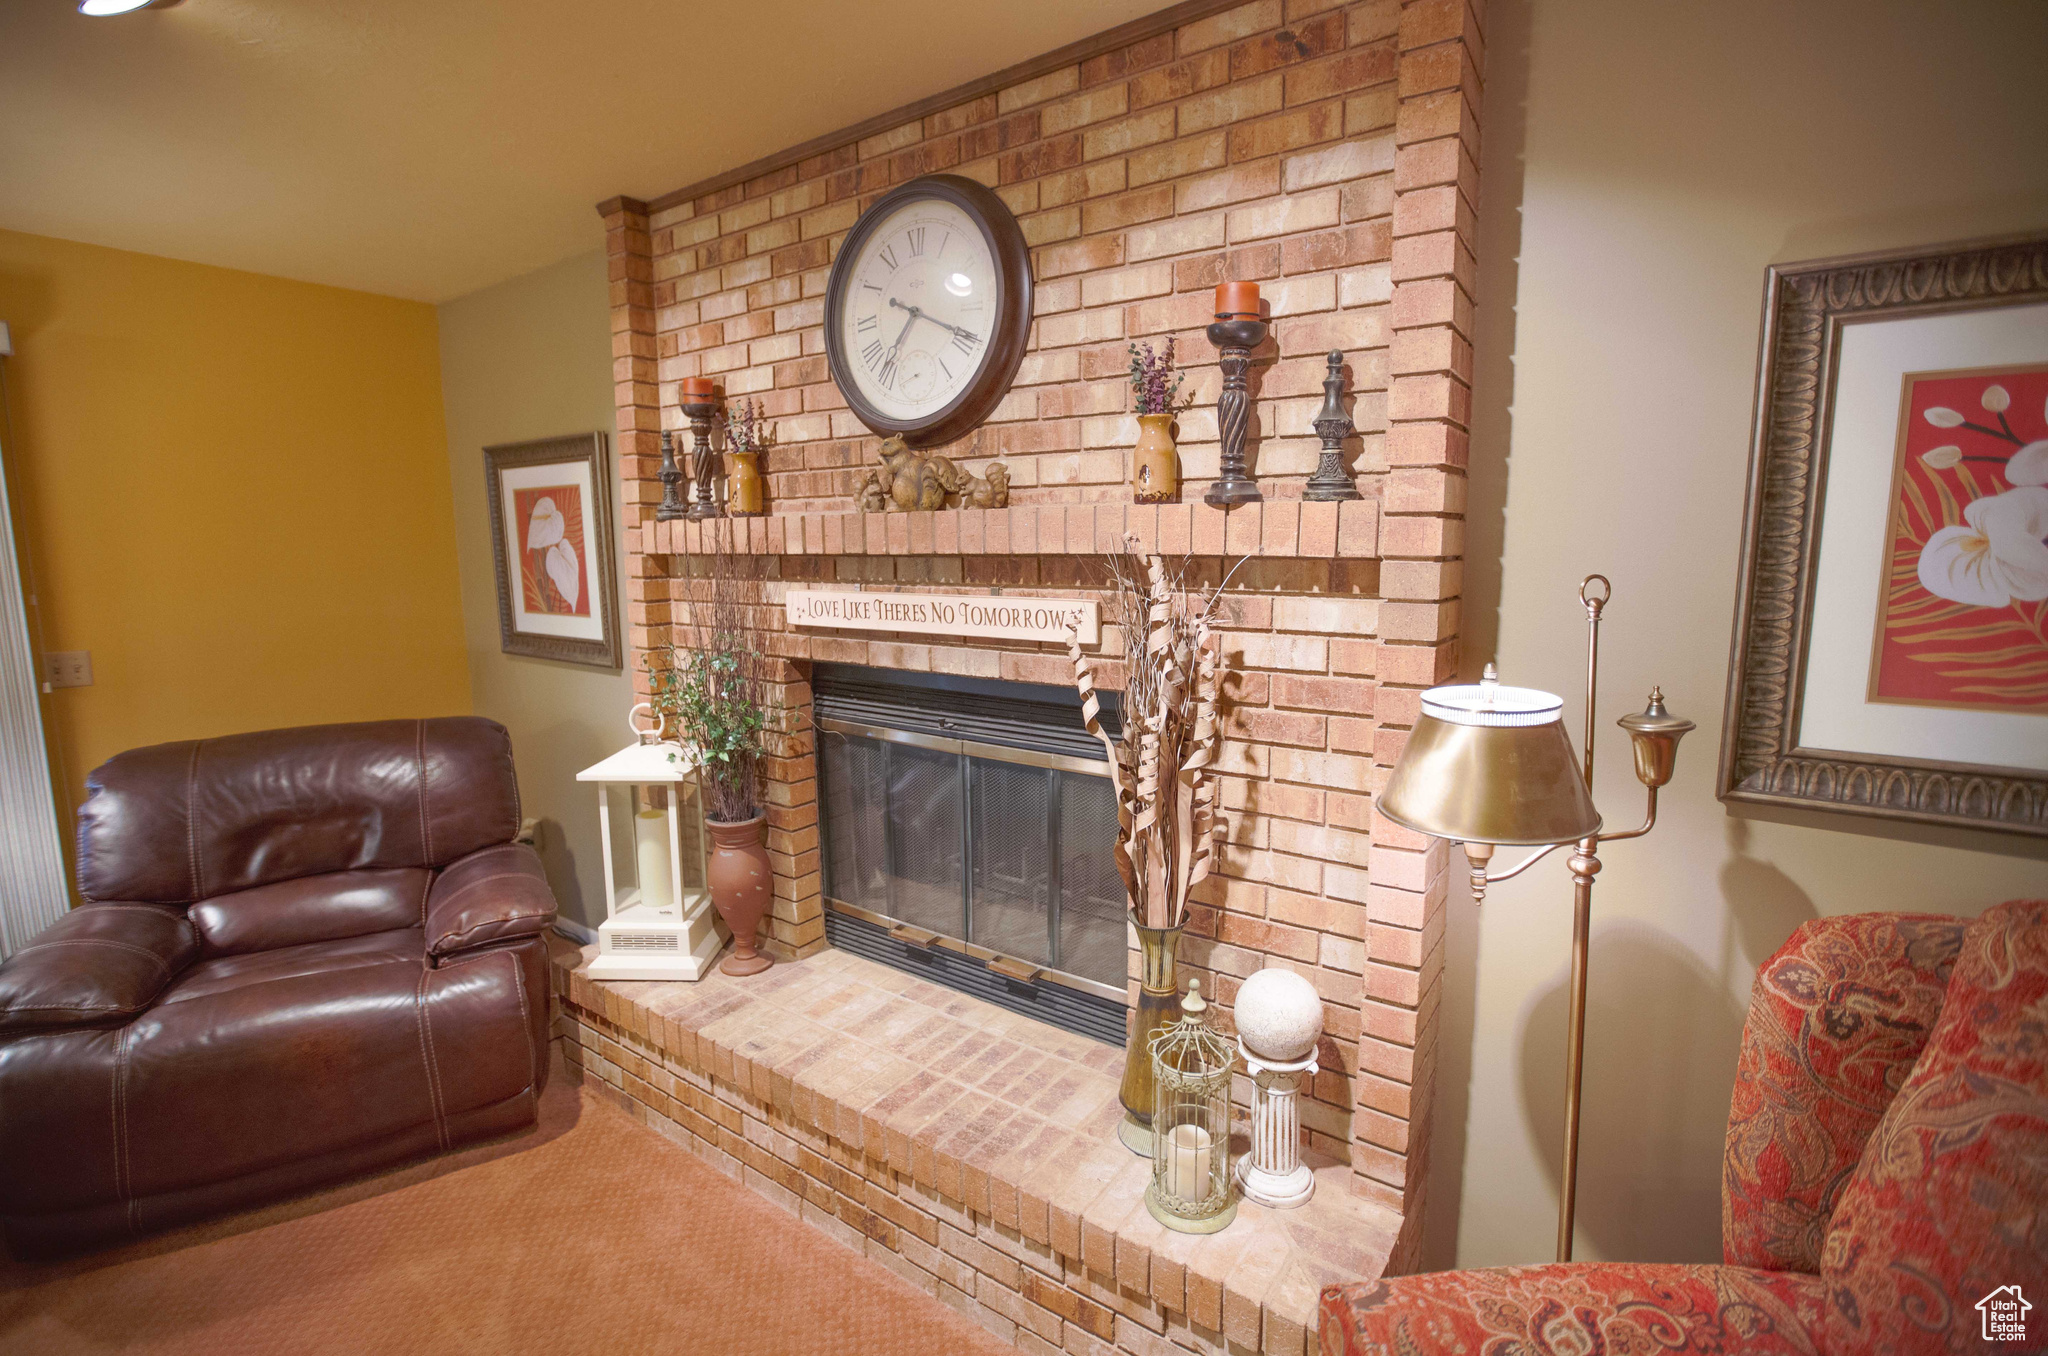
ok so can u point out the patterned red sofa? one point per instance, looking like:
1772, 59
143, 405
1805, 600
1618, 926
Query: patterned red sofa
1886, 1169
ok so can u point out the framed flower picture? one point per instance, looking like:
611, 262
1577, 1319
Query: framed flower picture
1891, 638
551, 535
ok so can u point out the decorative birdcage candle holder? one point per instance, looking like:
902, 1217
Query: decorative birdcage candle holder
1191, 1182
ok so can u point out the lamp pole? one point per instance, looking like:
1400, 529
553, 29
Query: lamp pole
1585, 864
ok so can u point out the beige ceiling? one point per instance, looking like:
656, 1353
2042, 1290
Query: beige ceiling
426, 148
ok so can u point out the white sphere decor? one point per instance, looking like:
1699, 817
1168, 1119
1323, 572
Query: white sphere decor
1279, 1016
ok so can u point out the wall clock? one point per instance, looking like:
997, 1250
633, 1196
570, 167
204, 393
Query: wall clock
928, 309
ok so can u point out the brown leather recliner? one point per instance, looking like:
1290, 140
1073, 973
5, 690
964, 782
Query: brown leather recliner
307, 954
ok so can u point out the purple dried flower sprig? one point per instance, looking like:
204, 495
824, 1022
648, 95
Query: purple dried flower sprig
746, 429
1156, 380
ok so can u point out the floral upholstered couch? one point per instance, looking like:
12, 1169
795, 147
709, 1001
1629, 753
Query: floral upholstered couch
1886, 1170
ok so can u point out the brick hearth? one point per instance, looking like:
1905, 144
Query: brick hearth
969, 1150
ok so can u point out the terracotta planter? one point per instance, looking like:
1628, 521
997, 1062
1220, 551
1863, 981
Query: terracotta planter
742, 888
746, 489
1155, 462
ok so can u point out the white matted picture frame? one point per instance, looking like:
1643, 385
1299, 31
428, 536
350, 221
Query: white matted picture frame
1890, 655
551, 539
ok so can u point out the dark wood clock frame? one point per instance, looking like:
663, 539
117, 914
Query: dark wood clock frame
1007, 337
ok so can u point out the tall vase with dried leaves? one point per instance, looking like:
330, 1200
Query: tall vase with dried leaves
1163, 764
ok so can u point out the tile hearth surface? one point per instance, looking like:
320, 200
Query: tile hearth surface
971, 1149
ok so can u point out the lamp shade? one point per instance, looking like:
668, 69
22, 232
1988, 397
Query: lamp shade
1490, 764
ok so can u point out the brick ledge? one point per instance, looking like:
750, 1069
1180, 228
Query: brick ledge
1278, 528
834, 1086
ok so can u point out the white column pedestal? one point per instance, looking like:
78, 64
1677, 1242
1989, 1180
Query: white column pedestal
1272, 1173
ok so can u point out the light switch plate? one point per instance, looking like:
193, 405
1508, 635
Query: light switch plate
68, 668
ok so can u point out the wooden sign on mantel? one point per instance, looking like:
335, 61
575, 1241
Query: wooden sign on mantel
974, 616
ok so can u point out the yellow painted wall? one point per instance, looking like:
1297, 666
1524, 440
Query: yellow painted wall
234, 492
1643, 164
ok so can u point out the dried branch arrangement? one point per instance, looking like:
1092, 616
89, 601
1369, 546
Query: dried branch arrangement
1164, 762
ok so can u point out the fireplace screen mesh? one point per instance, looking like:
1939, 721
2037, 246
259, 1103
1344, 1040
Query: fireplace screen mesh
1092, 894
1010, 887
1011, 857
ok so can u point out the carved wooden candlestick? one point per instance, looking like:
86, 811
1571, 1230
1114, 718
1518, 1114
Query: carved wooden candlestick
1235, 339
671, 478
1333, 426
699, 409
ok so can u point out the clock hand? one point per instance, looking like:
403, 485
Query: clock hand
963, 333
918, 314
889, 363
914, 313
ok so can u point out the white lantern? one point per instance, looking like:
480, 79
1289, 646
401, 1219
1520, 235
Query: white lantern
659, 923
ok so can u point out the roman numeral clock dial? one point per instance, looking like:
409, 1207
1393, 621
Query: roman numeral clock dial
928, 309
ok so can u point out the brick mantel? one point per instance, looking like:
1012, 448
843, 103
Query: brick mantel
1328, 151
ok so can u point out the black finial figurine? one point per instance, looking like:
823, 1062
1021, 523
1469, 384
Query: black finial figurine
1333, 426
671, 478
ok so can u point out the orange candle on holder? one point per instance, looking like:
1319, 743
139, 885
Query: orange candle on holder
1237, 300
699, 388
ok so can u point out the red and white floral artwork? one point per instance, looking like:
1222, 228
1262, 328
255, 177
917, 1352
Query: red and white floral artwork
1963, 616
553, 578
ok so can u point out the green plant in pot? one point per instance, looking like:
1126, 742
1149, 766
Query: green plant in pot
712, 695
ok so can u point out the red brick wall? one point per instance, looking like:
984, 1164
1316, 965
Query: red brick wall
1327, 151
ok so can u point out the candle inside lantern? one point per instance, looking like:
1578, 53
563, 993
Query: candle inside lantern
1237, 299
1187, 1163
650, 844
699, 388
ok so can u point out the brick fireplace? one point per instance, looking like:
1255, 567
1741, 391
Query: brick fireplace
1327, 151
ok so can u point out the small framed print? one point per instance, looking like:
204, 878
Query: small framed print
551, 535
1891, 639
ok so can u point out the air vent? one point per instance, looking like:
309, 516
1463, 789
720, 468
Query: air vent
645, 941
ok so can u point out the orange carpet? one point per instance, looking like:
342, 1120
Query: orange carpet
589, 1234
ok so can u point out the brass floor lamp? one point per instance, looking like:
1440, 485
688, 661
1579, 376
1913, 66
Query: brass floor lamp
1490, 766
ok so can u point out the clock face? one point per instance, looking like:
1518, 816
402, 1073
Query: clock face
928, 309
919, 302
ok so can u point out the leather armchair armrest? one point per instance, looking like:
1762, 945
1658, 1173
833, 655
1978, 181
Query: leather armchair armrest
97, 964
496, 894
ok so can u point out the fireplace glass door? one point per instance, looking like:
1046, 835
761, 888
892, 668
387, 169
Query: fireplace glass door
967, 827
1007, 850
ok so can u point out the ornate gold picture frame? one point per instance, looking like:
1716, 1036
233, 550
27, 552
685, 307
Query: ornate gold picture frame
1828, 555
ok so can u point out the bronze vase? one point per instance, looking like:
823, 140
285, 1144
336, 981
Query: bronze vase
1158, 1007
742, 889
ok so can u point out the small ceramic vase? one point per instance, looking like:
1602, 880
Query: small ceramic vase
1155, 464
746, 489
742, 889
